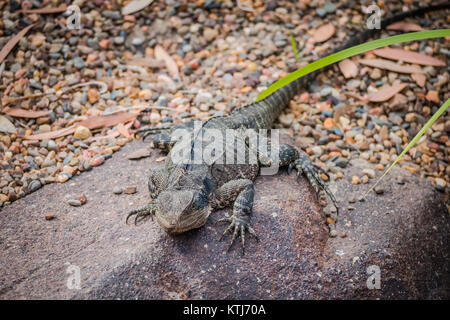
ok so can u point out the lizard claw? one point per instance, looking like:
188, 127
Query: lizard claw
311, 170
238, 225
148, 210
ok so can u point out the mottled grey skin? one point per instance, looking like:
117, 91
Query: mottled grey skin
183, 195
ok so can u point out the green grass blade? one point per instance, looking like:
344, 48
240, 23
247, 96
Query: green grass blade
353, 51
294, 48
427, 125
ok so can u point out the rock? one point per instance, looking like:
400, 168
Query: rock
35, 185
82, 199
130, 190
82, 133
74, 203
93, 96
379, 189
127, 262
341, 162
117, 190
369, 172
50, 216
203, 97
6, 125
210, 34
356, 180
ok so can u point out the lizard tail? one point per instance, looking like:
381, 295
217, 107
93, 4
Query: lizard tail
273, 104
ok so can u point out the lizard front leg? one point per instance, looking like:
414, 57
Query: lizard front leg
157, 182
240, 192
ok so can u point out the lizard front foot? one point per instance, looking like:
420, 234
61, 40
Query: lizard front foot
148, 210
238, 224
311, 170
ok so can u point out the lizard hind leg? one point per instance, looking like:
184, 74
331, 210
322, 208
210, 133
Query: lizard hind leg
295, 159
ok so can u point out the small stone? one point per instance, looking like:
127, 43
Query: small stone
82, 199
330, 221
210, 34
95, 162
343, 234
203, 97
375, 74
50, 216
44, 128
364, 179
378, 190
35, 185
117, 190
440, 183
130, 190
352, 199
61, 178
369, 172
341, 163
93, 96
82, 133
333, 233
328, 123
380, 167
74, 203
400, 180
410, 117
356, 180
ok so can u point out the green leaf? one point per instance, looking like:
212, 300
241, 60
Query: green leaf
353, 51
427, 125
294, 48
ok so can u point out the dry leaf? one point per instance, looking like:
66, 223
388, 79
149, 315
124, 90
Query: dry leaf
391, 66
135, 6
419, 78
405, 26
22, 113
387, 92
408, 56
123, 130
45, 10
139, 154
91, 123
13, 41
348, 68
324, 33
161, 54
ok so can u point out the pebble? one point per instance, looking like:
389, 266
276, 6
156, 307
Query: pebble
35, 185
379, 190
117, 190
50, 216
356, 180
82, 132
369, 172
130, 190
74, 203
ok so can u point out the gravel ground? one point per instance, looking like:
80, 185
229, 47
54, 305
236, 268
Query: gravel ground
196, 59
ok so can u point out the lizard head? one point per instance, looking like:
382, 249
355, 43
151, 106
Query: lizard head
182, 210
184, 206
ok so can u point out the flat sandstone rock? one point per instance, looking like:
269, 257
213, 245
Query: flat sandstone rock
403, 233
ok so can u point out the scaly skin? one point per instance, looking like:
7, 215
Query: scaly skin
183, 195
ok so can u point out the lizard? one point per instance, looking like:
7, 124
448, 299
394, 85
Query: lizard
183, 194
